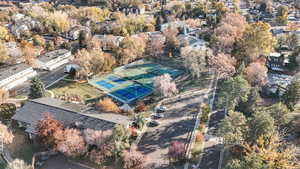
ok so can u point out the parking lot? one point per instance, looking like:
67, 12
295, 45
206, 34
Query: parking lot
176, 125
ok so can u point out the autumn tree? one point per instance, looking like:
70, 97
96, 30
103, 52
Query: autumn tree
107, 104
96, 137
223, 64
133, 159
3, 33
93, 62
59, 21
256, 74
234, 128
257, 40
18, 164
29, 53
3, 52
164, 85
37, 89
73, 144
176, 151
3, 96
155, 46
39, 41
233, 91
130, 49
195, 59
172, 43
272, 153
292, 95
282, 15
47, 127
229, 30
6, 136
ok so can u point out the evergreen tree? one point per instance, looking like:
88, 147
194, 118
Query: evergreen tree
37, 89
292, 95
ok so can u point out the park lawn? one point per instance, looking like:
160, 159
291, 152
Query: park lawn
84, 90
186, 82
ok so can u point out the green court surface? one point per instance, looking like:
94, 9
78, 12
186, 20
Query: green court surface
133, 81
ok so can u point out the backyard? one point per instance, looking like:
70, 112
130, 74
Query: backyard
68, 87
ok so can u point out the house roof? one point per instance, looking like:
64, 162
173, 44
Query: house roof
68, 113
52, 55
7, 71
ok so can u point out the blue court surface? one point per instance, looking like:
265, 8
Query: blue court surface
132, 82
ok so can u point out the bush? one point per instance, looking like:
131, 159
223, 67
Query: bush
205, 113
39, 41
176, 151
108, 105
141, 107
201, 127
200, 138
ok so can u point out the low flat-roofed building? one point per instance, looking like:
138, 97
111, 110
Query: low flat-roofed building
70, 114
54, 59
12, 76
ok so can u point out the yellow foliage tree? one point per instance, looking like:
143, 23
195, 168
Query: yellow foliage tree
3, 33
60, 21
257, 40
107, 104
3, 52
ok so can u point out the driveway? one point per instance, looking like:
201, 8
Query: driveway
177, 125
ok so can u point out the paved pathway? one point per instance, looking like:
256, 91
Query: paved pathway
177, 124
212, 146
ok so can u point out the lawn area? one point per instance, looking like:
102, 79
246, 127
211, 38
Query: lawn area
186, 82
84, 90
21, 147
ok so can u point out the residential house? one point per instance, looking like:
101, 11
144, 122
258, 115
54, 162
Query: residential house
109, 42
23, 25
131, 9
12, 76
277, 84
15, 53
54, 59
70, 114
276, 62
74, 32
187, 40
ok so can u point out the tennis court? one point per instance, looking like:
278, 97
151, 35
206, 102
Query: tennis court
134, 81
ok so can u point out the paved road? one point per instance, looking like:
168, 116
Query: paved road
177, 125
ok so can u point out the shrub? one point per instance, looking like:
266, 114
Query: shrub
200, 138
176, 151
134, 159
201, 127
39, 41
141, 107
107, 104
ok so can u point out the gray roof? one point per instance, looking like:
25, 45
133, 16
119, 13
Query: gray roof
68, 113
7, 71
52, 55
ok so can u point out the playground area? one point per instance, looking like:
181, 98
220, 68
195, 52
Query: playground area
133, 81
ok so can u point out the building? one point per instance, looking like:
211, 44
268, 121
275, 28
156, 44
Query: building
191, 41
109, 42
70, 114
54, 59
275, 62
12, 76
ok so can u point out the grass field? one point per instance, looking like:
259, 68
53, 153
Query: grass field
84, 90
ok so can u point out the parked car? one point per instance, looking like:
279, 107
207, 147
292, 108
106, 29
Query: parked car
153, 123
160, 109
157, 115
